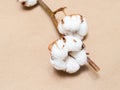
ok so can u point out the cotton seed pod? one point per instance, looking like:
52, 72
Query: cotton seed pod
73, 25
83, 28
28, 3
66, 54
80, 57
58, 64
58, 50
73, 43
71, 65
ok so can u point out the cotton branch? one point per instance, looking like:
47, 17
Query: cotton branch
51, 13
54, 20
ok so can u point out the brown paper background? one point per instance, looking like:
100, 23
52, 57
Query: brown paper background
25, 35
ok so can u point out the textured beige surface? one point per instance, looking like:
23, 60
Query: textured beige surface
25, 35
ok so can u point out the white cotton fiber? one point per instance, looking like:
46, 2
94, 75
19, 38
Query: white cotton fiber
28, 3
58, 52
75, 25
83, 28
71, 65
58, 64
66, 54
73, 43
80, 57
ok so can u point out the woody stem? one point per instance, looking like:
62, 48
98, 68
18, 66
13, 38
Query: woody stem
92, 64
50, 13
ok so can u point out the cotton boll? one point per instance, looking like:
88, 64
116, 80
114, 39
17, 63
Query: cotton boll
21, 1
63, 30
58, 64
69, 24
66, 54
74, 25
83, 28
58, 53
28, 3
80, 57
58, 50
60, 28
31, 3
78, 36
60, 43
73, 43
71, 65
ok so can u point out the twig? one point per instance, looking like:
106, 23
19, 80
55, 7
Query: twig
92, 64
60, 9
50, 13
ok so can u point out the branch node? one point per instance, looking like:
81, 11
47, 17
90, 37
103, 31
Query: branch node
60, 9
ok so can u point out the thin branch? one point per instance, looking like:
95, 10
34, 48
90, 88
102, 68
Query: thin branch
92, 64
50, 13
60, 9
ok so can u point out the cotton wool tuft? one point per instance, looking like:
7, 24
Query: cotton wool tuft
74, 25
67, 54
28, 3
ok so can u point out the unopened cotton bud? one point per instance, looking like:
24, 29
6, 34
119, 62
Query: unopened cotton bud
28, 3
